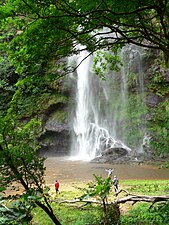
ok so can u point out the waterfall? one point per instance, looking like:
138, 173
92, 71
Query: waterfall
103, 117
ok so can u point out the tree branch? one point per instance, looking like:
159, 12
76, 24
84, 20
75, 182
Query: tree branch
128, 198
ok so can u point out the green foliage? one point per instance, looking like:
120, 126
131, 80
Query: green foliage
101, 188
159, 127
166, 165
142, 215
35, 40
19, 161
132, 80
104, 61
136, 109
15, 213
8, 78
158, 84
60, 115
33, 96
159, 123
43, 31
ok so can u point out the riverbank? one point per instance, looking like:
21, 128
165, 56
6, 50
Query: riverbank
68, 172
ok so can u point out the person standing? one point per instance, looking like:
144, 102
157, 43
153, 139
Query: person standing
115, 183
57, 186
109, 172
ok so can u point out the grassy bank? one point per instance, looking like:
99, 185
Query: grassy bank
81, 214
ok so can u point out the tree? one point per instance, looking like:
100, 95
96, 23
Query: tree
19, 163
54, 29
31, 40
101, 189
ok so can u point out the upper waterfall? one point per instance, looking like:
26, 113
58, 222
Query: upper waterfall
103, 117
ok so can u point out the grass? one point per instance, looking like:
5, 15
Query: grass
75, 214
147, 187
141, 214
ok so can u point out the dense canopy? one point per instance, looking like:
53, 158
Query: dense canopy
38, 30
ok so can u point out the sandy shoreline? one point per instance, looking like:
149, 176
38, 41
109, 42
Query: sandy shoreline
79, 171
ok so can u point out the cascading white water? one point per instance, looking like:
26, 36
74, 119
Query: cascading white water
100, 120
82, 121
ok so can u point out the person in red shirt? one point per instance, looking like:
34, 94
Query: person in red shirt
57, 186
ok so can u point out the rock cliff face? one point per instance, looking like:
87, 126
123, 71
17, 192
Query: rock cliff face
56, 138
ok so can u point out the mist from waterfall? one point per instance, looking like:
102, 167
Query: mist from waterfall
102, 118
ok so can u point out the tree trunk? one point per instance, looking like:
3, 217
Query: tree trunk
105, 212
50, 213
